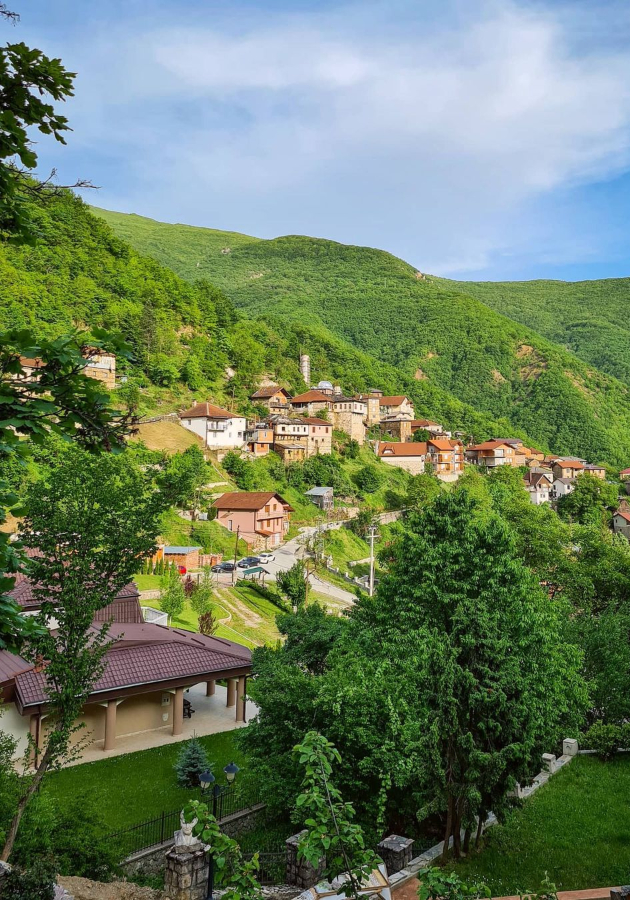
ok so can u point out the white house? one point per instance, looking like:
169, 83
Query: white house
218, 428
562, 487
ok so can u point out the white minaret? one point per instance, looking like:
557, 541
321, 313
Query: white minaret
305, 367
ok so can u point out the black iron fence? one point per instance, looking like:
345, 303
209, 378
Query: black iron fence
161, 829
271, 866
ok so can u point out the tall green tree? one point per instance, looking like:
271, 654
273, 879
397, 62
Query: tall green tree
91, 520
294, 584
184, 476
591, 502
479, 652
172, 596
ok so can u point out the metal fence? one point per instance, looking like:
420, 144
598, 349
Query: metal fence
154, 832
271, 866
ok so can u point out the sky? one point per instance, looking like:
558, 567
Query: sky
476, 139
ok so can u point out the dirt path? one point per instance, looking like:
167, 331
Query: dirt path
248, 616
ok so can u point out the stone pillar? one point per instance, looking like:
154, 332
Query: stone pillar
110, 725
35, 727
299, 872
241, 699
210, 688
570, 747
396, 852
549, 763
231, 691
186, 875
178, 711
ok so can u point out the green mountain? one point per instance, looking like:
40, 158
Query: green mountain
590, 318
187, 338
437, 333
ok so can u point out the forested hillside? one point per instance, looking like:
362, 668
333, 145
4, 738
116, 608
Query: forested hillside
437, 335
187, 339
588, 317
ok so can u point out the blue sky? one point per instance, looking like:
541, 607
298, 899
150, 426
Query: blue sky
483, 139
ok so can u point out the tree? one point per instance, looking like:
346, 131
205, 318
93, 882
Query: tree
351, 449
172, 597
294, 584
590, 502
192, 761
422, 490
479, 655
201, 598
361, 523
62, 401
91, 520
184, 477
331, 832
421, 435
368, 479
311, 634
207, 623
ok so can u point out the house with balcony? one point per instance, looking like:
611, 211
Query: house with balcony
398, 405
349, 415
567, 467
539, 485
446, 457
259, 438
319, 435
312, 402
274, 397
434, 428
260, 517
490, 454
218, 428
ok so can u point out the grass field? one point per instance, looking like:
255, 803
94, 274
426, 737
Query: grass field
166, 435
138, 786
576, 828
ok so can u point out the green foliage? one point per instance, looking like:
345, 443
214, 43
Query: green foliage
368, 480
293, 583
437, 884
331, 834
605, 740
233, 873
311, 634
351, 449
201, 598
422, 490
37, 882
192, 761
361, 523
172, 597
207, 623
184, 477
591, 502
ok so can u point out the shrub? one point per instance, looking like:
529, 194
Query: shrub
207, 623
440, 885
368, 480
605, 740
191, 762
35, 883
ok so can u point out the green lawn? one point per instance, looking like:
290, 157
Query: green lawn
139, 786
576, 828
147, 582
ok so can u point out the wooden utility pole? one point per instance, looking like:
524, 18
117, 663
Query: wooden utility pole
238, 529
372, 534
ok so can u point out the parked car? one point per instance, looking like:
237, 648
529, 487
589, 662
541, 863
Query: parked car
218, 567
224, 567
266, 557
248, 561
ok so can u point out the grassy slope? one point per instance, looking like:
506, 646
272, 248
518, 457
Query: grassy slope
588, 317
576, 828
448, 340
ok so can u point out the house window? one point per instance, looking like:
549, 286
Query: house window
230, 525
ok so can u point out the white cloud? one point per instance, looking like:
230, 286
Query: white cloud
433, 140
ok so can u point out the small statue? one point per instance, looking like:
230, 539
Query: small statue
185, 837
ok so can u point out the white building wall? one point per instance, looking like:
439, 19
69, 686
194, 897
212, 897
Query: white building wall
17, 726
219, 434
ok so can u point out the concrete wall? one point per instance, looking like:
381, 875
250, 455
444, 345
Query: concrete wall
413, 464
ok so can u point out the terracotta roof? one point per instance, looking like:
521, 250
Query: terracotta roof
625, 472
423, 423
250, 500
206, 411
391, 401
624, 515
145, 654
569, 464
489, 445
513, 442
404, 448
24, 592
311, 397
264, 393
443, 444
313, 420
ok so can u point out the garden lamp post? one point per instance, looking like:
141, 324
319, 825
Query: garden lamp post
208, 782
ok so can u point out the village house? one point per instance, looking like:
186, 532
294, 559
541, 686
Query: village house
621, 519
595, 470
434, 428
567, 467
493, 453
312, 402
539, 485
624, 475
290, 438
397, 426
561, 487
290, 452
319, 436
100, 367
259, 438
521, 452
260, 517
218, 428
321, 496
349, 416
147, 671
188, 557
446, 457
372, 402
410, 456
272, 396
396, 406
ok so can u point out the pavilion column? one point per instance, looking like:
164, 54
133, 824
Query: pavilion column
241, 699
178, 711
210, 688
231, 691
110, 725
35, 730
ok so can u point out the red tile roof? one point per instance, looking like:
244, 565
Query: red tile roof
569, 464
391, 401
249, 500
206, 411
404, 448
313, 420
624, 515
264, 393
311, 397
423, 423
625, 472
489, 445
443, 444
146, 654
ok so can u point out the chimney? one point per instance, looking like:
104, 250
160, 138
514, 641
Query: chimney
305, 367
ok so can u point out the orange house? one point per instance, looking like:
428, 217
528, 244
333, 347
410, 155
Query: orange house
260, 517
